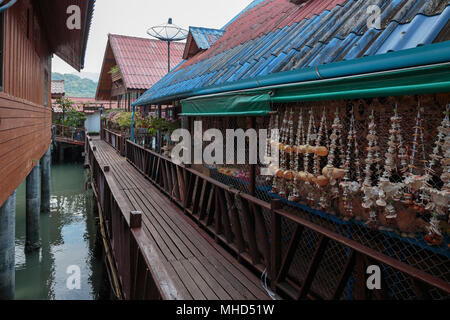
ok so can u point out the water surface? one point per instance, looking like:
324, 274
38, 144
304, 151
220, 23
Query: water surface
68, 237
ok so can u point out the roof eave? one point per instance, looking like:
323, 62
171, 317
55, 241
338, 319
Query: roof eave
415, 57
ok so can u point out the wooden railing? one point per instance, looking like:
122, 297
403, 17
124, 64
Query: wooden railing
257, 232
69, 135
116, 140
135, 265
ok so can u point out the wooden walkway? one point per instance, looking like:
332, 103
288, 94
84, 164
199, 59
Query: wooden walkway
198, 268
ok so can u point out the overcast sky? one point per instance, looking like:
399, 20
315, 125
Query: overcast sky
134, 17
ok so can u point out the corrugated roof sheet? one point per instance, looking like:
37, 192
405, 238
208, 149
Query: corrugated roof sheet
277, 35
205, 37
143, 62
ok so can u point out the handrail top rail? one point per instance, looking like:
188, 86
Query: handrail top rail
63, 126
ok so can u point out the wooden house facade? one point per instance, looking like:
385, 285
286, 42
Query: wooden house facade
30, 33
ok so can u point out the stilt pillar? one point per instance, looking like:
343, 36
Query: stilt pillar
7, 240
45, 181
33, 210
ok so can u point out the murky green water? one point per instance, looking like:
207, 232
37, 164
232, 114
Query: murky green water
68, 238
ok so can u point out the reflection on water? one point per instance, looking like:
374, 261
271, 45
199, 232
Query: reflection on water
68, 238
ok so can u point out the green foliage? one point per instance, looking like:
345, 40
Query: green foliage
75, 119
65, 104
70, 117
77, 87
113, 70
122, 121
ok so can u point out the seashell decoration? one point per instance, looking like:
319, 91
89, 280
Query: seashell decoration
350, 187
439, 200
332, 172
300, 140
370, 191
413, 181
390, 191
310, 137
323, 181
403, 183
434, 236
274, 140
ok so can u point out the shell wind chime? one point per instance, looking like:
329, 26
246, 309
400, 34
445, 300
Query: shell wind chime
290, 157
300, 141
389, 191
321, 151
351, 188
439, 199
369, 188
308, 149
333, 170
274, 143
414, 181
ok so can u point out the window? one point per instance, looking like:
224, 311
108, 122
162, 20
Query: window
1, 51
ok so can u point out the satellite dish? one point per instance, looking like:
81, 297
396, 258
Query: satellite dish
168, 32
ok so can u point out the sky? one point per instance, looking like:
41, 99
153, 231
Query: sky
134, 17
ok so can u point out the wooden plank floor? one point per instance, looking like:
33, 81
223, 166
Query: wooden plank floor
200, 268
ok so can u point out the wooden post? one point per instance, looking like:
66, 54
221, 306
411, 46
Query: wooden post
159, 138
33, 208
252, 188
275, 249
45, 181
135, 219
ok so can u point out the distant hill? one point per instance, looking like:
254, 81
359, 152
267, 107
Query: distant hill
88, 75
75, 86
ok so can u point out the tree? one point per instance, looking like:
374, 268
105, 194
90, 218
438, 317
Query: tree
71, 117
65, 104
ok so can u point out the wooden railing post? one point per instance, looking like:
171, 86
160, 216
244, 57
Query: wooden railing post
275, 246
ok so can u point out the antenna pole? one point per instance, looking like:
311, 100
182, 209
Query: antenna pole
168, 55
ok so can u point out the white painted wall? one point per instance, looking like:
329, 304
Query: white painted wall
92, 123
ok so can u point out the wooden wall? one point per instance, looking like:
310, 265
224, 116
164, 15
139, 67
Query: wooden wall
25, 123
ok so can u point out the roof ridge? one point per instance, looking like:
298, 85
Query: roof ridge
115, 35
205, 28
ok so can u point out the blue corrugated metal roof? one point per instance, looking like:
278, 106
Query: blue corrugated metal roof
334, 35
205, 37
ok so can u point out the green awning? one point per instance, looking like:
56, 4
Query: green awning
239, 104
428, 79
431, 79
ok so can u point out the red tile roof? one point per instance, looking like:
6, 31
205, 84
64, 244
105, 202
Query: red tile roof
143, 62
78, 104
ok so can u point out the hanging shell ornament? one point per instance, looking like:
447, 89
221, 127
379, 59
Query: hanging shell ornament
350, 188
333, 170
309, 177
415, 181
439, 200
284, 163
434, 236
275, 142
300, 140
390, 191
369, 188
